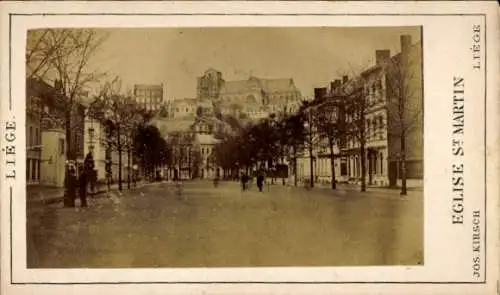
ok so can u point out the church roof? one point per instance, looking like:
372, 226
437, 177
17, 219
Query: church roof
206, 139
148, 86
279, 85
183, 101
167, 126
267, 85
234, 86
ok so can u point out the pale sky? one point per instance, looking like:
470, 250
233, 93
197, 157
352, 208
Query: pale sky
311, 56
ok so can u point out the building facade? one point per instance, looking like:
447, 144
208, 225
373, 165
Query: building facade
95, 138
258, 98
151, 97
47, 151
208, 86
393, 94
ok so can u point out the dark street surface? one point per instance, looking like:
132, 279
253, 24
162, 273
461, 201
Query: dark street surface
225, 227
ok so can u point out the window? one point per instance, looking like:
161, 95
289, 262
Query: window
368, 128
38, 170
381, 163
28, 162
30, 139
33, 169
61, 146
343, 167
381, 126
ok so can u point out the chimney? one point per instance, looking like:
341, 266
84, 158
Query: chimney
335, 84
319, 93
405, 43
345, 79
382, 55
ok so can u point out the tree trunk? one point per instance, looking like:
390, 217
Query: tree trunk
69, 200
403, 164
332, 165
311, 166
295, 169
363, 166
129, 168
119, 159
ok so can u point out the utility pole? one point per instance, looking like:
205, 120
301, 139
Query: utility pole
311, 165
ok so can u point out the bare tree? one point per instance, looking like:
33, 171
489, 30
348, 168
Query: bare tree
141, 117
327, 120
63, 55
294, 132
404, 106
123, 114
354, 101
42, 47
356, 105
311, 134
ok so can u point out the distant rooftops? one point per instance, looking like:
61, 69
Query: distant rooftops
267, 85
148, 86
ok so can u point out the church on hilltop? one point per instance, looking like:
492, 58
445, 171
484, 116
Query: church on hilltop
254, 97
223, 107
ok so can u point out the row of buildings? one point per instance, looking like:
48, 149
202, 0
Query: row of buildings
394, 81
47, 149
46, 142
201, 119
193, 126
220, 107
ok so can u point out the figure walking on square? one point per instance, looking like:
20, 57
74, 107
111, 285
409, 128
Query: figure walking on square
244, 179
71, 185
83, 189
260, 181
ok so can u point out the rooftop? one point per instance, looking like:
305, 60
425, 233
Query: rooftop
267, 85
148, 86
206, 139
167, 126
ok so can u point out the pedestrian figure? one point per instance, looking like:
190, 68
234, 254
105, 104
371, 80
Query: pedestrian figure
83, 189
71, 185
134, 181
216, 181
109, 179
134, 177
260, 181
178, 186
244, 180
93, 182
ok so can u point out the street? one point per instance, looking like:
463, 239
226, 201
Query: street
204, 226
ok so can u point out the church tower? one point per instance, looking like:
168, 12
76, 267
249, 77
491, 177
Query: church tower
209, 85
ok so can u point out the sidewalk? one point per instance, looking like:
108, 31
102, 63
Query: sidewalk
44, 195
344, 189
353, 186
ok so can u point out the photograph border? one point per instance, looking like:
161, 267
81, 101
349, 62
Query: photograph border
11, 187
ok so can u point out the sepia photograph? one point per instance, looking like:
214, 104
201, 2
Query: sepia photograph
224, 147
256, 147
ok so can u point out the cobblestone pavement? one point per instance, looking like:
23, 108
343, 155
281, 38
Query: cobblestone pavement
161, 225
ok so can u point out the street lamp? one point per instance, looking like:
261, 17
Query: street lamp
308, 126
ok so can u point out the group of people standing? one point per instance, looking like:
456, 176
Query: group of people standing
245, 179
87, 177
